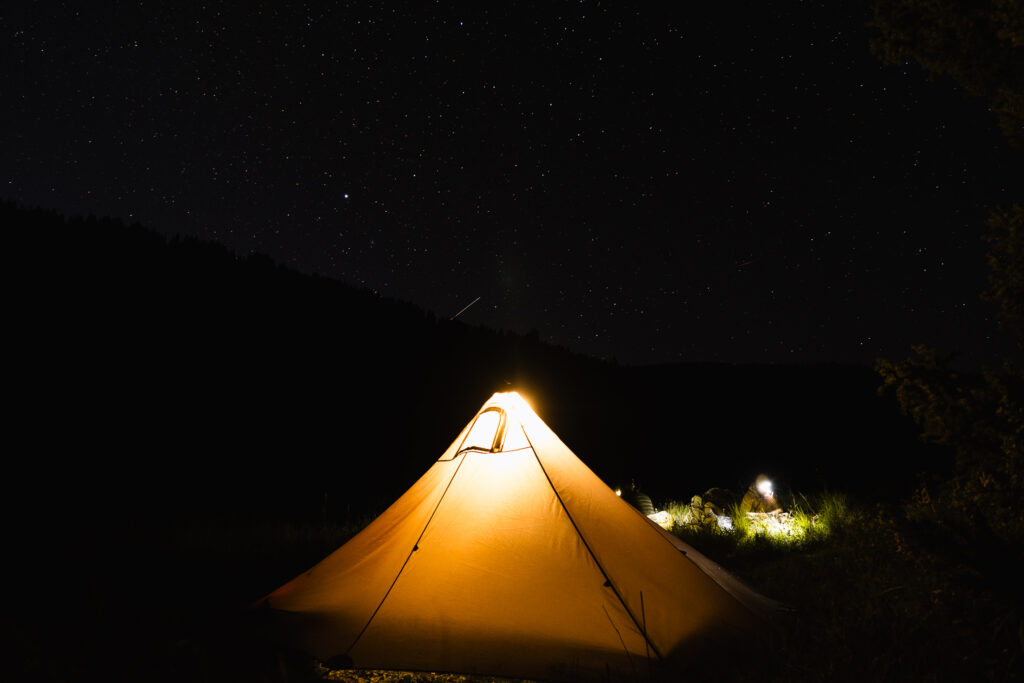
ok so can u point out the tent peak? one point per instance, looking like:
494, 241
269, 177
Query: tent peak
510, 401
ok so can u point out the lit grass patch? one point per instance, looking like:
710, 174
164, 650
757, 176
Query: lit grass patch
783, 526
680, 513
804, 522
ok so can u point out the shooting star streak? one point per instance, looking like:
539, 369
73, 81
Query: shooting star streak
464, 309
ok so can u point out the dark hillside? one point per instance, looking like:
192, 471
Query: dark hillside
811, 427
233, 387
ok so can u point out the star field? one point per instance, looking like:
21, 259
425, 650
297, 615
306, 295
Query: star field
741, 185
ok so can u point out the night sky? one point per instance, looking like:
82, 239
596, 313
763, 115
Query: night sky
715, 182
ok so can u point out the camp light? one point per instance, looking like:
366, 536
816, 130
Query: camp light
764, 487
518, 404
512, 402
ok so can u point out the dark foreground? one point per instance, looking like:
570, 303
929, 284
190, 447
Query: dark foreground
173, 400
887, 594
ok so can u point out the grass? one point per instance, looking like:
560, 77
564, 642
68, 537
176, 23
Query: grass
878, 596
807, 524
875, 596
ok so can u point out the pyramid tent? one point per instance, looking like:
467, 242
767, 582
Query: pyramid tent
511, 557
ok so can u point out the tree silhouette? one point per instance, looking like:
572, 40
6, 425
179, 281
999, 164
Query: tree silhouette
1005, 255
980, 45
979, 415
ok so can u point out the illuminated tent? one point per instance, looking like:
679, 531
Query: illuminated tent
510, 557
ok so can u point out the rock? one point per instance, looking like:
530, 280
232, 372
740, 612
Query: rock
662, 519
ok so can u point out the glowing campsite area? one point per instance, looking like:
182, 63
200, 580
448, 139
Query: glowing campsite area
756, 271
509, 557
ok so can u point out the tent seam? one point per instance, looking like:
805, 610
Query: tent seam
415, 547
608, 579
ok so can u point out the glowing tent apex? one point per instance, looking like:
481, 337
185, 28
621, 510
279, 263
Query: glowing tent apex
498, 427
513, 403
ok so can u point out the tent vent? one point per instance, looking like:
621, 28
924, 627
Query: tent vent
487, 433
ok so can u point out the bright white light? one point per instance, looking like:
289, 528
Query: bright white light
514, 403
724, 522
483, 432
765, 487
618, 492
663, 519
520, 401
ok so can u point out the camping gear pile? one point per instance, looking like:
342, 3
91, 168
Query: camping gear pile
759, 507
711, 509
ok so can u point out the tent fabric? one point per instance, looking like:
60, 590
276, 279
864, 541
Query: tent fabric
514, 561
